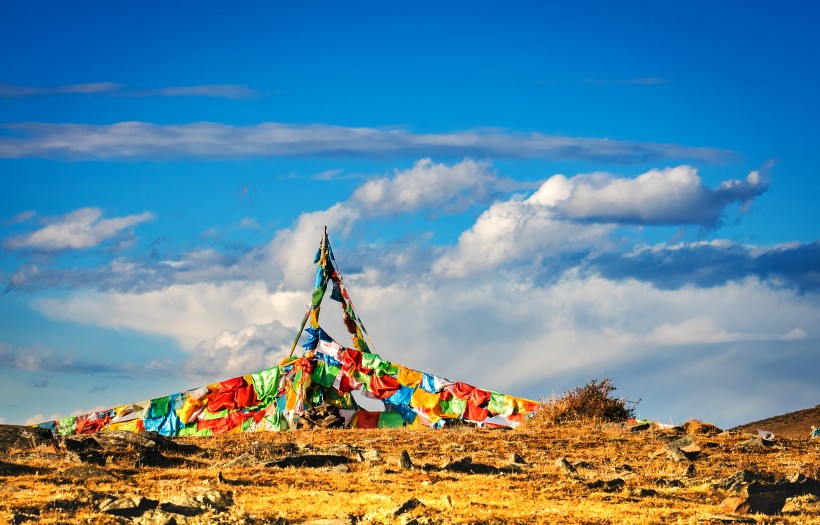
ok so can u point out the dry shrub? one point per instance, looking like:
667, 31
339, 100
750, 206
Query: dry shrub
591, 402
694, 427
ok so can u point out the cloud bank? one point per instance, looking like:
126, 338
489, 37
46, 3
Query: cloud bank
271, 139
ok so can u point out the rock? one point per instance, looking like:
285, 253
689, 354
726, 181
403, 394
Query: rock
18, 518
243, 460
331, 521
183, 505
515, 459
407, 506
371, 455
342, 468
129, 506
215, 499
157, 517
80, 443
309, 460
24, 437
565, 465
624, 468
643, 493
151, 457
737, 481
92, 457
763, 503
613, 485
404, 460
14, 469
465, 465
624, 427
676, 453
82, 472
690, 471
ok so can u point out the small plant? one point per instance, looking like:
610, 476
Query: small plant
591, 402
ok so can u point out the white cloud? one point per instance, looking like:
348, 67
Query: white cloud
213, 140
187, 313
235, 353
81, 228
429, 185
668, 196
11, 91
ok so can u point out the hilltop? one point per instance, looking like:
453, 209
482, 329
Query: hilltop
794, 425
574, 472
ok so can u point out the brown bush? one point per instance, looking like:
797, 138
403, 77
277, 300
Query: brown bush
591, 402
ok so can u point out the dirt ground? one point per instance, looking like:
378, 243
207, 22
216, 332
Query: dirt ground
568, 473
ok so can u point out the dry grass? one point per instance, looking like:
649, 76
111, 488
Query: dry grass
591, 402
373, 489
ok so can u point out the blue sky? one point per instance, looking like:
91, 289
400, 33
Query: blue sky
522, 197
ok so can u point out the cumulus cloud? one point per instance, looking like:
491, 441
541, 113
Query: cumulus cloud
81, 228
666, 196
234, 353
429, 185
213, 140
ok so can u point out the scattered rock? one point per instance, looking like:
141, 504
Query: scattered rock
404, 460
243, 460
24, 437
566, 466
83, 472
152, 457
613, 485
624, 427
465, 465
675, 483
342, 468
157, 517
763, 503
583, 464
371, 455
92, 457
737, 481
215, 499
309, 460
183, 505
128, 506
407, 506
643, 493
624, 468
515, 459
690, 471
18, 518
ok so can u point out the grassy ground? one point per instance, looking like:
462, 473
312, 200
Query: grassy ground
372, 486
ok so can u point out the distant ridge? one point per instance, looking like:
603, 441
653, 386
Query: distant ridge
794, 425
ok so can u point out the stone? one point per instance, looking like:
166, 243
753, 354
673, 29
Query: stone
371, 455
341, 468
158, 517
763, 503
737, 481
407, 506
566, 466
404, 460
128, 506
309, 460
183, 505
215, 499
82, 472
643, 493
243, 460
515, 459
24, 437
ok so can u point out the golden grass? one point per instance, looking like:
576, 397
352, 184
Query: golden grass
373, 489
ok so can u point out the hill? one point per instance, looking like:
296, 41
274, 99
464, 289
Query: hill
538, 473
794, 425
